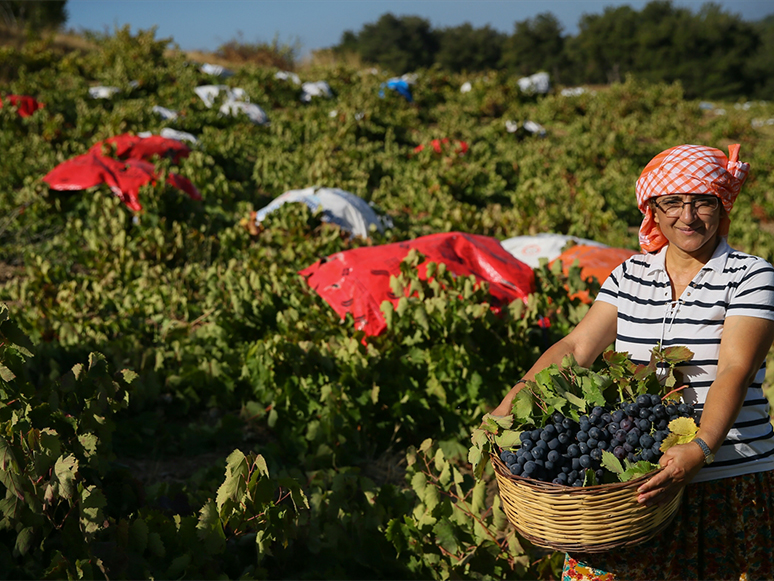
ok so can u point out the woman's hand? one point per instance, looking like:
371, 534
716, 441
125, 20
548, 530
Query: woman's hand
680, 463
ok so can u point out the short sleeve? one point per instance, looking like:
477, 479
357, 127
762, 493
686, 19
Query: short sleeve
609, 291
754, 296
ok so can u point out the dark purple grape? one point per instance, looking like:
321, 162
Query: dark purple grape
584, 425
647, 454
538, 453
524, 436
553, 456
646, 440
618, 415
585, 461
660, 411
534, 435
643, 400
683, 410
597, 411
662, 424
564, 439
566, 469
528, 445
529, 468
644, 413
633, 438
539, 462
595, 433
619, 452
572, 476
550, 467
599, 473
626, 424
523, 459
602, 445
542, 444
575, 464
632, 409
573, 451
562, 478
515, 469
508, 457
620, 436
644, 425
654, 399
628, 447
596, 454
582, 436
578, 483
557, 417
553, 444
592, 442
607, 418
560, 429
584, 448
652, 418
671, 410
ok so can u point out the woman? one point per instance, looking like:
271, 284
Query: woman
690, 288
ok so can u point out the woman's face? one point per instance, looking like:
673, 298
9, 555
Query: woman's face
694, 227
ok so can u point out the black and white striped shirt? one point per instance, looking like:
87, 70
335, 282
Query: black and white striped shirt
731, 284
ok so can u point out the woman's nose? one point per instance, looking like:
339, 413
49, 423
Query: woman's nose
688, 212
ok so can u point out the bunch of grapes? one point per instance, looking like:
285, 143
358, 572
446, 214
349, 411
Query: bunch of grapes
564, 449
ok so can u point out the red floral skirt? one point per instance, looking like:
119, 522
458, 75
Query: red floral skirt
723, 529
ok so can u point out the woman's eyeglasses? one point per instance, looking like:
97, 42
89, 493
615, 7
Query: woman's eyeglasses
672, 206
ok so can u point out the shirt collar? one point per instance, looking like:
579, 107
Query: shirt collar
717, 262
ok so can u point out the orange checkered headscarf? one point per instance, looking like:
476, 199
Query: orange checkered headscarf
688, 169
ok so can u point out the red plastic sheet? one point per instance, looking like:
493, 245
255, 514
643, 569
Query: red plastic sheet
357, 281
25, 105
123, 177
597, 261
133, 147
439, 145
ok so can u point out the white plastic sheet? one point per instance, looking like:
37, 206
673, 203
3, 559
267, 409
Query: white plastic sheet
102, 92
164, 113
236, 102
346, 210
316, 89
531, 249
538, 83
216, 71
287, 76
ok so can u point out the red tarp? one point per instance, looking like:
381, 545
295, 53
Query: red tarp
25, 105
357, 281
133, 147
124, 176
597, 261
439, 145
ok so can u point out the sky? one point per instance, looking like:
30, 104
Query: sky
314, 24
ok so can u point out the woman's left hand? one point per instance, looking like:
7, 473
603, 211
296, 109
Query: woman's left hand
680, 464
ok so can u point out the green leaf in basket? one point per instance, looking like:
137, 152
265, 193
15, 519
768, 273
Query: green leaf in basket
592, 387
493, 424
478, 437
522, 406
636, 470
590, 477
578, 402
676, 354
508, 439
610, 462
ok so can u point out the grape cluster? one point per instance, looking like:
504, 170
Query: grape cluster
564, 449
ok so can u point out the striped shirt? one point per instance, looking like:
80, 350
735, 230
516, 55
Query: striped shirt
732, 283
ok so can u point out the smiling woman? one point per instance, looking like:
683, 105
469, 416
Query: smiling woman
690, 288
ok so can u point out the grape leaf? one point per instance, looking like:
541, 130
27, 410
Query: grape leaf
610, 462
636, 470
676, 354
682, 431
589, 478
508, 439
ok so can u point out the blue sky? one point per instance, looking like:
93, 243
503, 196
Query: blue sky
314, 24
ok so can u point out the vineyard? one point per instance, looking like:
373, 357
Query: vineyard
177, 402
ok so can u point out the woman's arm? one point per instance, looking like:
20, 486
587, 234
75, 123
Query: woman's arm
586, 341
743, 348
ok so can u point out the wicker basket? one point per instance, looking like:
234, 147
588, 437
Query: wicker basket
590, 519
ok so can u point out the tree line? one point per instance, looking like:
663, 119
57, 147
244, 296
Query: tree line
713, 53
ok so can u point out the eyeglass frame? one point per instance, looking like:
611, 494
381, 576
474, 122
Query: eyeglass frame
691, 203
